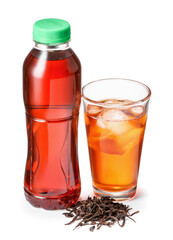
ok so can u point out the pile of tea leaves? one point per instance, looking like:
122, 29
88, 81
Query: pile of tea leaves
98, 212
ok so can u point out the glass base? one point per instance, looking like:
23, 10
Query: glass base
118, 195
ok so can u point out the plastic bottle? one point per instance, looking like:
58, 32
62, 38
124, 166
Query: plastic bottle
52, 96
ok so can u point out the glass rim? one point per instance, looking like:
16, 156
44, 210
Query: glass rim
114, 79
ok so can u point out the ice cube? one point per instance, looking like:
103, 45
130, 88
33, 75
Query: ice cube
124, 102
137, 111
116, 121
114, 115
117, 102
93, 110
100, 123
112, 101
118, 127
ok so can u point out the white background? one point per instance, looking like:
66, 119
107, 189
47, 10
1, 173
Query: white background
127, 38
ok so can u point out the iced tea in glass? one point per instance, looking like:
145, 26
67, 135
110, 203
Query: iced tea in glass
115, 117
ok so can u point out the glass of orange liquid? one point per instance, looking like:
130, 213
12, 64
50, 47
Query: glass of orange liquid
115, 118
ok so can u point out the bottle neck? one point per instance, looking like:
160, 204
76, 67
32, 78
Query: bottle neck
58, 47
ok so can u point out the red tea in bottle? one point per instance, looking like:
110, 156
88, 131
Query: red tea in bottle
52, 95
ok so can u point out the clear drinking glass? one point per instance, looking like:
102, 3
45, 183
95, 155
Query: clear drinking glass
115, 118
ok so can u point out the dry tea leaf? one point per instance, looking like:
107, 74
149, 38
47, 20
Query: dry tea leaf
98, 212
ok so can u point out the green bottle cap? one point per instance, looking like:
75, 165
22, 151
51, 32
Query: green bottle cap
51, 31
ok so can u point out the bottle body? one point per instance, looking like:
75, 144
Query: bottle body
52, 95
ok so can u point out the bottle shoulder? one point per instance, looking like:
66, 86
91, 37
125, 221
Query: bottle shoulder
52, 55
36, 54
76, 58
